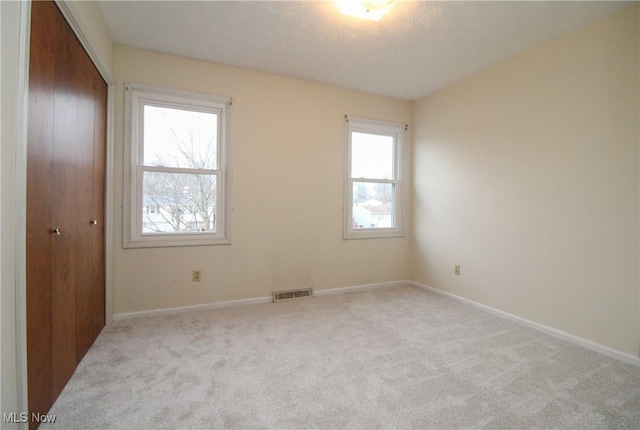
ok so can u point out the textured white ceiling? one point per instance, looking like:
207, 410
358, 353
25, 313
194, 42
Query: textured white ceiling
416, 49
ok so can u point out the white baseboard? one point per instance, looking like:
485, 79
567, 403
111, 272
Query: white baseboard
363, 287
231, 303
622, 356
192, 308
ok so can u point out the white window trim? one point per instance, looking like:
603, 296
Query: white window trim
135, 96
398, 132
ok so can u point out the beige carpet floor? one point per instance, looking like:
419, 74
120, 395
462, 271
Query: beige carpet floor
387, 358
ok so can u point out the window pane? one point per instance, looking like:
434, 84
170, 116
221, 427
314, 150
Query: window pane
371, 156
373, 205
180, 138
178, 202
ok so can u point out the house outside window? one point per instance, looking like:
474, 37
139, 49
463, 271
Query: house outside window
176, 167
374, 185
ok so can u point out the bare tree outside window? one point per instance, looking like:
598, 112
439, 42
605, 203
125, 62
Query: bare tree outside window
186, 200
176, 166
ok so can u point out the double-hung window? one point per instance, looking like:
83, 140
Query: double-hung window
176, 167
374, 191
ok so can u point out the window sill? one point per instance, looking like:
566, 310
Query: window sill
164, 242
367, 233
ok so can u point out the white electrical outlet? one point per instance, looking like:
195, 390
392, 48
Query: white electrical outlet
197, 275
456, 269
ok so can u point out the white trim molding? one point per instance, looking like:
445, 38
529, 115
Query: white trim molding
363, 287
20, 205
244, 302
192, 308
251, 301
576, 340
79, 28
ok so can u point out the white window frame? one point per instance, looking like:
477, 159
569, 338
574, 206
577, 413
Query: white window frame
386, 128
136, 97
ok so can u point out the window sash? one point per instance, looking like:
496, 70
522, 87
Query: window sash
393, 214
143, 102
396, 132
139, 210
136, 97
392, 162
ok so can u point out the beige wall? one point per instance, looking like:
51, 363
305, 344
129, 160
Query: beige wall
288, 163
527, 175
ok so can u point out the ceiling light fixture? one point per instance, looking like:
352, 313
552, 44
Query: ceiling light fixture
365, 9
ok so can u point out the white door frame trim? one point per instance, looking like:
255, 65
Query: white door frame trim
20, 209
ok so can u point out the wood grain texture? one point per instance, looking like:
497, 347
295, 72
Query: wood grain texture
67, 123
98, 304
88, 86
39, 176
66, 147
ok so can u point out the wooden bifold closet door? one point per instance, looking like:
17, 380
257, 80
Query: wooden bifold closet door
65, 205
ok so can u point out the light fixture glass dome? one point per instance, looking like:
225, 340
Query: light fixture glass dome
366, 9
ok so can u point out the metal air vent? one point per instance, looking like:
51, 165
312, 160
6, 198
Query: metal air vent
279, 296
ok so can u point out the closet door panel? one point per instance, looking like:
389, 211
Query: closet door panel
75, 294
85, 131
39, 179
68, 124
65, 192
98, 230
